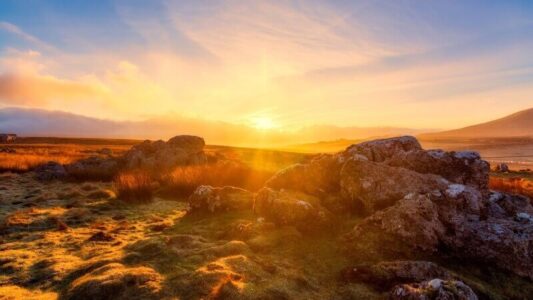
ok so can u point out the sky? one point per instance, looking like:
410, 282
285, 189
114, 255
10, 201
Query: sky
270, 64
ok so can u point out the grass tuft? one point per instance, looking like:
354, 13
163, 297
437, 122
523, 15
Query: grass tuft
133, 187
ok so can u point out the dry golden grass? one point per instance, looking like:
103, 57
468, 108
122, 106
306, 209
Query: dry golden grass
184, 180
514, 185
134, 186
30, 156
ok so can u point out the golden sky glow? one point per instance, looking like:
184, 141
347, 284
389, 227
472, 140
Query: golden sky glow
271, 64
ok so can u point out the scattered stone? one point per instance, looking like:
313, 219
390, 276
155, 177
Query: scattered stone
437, 289
93, 167
385, 275
101, 236
50, 171
210, 199
502, 168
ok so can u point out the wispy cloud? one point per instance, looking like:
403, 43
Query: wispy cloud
14, 29
361, 62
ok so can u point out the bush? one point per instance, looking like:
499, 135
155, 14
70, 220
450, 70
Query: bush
134, 186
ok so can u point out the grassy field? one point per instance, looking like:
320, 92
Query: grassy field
56, 236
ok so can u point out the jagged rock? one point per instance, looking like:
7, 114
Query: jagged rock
464, 167
387, 274
159, 156
375, 186
436, 289
505, 205
49, 171
381, 150
115, 281
506, 243
422, 201
412, 224
319, 177
286, 207
212, 199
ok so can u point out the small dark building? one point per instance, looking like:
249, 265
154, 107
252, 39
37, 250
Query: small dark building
8, 137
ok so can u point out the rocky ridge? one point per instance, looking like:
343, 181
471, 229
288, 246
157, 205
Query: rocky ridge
413, 200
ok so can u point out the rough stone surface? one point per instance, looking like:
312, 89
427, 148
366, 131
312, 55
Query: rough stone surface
412, 224
286, 207
212, 199
419, 201
159, 155
319, 177
436, 288
384, 149
376, 186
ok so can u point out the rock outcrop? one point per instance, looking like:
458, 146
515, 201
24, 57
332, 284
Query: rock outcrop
214, 199
417, 201
158, 156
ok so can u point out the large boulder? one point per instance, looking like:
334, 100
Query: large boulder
412, 224
436, 289
505, 243
189, 143
319, 177
163, 156
464, 167
285, 207
375, 186
213, 199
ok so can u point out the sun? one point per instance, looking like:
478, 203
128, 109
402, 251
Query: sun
263, 123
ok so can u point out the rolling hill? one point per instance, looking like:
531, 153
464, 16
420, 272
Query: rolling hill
519, 124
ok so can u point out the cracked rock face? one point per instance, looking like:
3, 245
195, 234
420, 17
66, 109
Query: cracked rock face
414, 199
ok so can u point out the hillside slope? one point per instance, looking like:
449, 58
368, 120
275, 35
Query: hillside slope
519, 124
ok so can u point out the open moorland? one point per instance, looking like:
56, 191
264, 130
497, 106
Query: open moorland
93, 219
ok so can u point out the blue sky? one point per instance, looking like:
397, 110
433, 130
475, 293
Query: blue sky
425, 64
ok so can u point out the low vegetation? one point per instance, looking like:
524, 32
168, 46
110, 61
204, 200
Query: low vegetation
134, 187
513, 184
65, 239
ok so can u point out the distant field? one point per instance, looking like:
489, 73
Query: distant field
516, 152
34, 151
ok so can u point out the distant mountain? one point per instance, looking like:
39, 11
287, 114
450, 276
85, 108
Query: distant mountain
38, 122
519, 124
